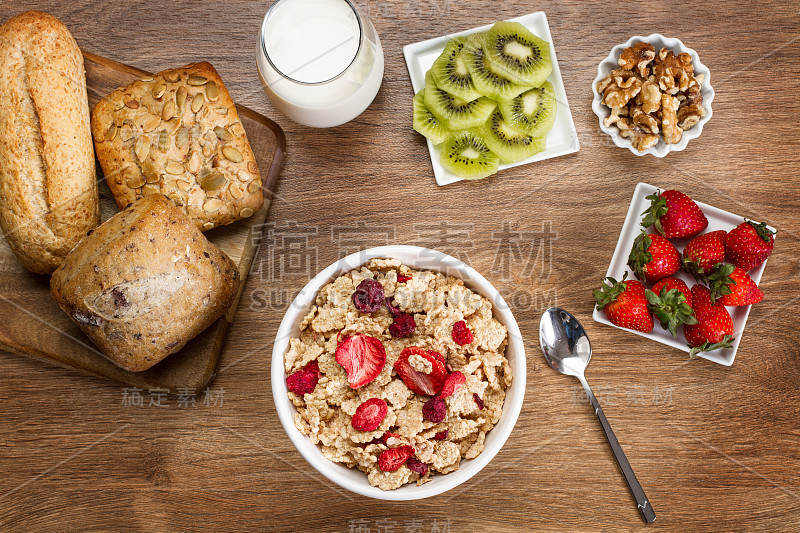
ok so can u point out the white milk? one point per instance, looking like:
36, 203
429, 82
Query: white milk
324, 69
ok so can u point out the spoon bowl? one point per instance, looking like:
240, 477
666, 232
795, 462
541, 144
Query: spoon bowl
564, 342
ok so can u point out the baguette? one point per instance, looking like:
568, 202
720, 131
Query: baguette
48, 185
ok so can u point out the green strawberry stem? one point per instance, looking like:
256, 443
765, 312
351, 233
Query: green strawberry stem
726, 342
639, 256
670, 308
761, 228
609, 291
693, 267
719, 281
653, 214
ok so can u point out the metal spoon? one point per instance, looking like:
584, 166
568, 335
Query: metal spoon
567, 348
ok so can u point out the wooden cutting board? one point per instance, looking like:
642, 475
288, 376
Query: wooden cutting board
34, 326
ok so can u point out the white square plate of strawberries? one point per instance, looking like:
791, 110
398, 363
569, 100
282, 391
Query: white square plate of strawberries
689, 267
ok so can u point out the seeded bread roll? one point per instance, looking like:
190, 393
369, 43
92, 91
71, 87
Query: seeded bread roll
178, 134
48, 186
144, 283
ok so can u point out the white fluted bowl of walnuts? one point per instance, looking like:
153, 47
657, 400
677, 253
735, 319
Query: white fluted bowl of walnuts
652, 95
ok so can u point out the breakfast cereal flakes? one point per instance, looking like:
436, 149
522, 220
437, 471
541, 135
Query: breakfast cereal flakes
397, 370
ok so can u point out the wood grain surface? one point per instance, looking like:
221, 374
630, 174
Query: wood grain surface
715, 448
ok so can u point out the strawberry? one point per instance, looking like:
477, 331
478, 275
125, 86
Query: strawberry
703, 253
701, 301
671, 302
362, 357
392, 459
442, 435
674, 215
305, 380
452, 384
732, 286
714, 329
674, 283
370, 414
749, 244
653, 258
625, 304
426, 384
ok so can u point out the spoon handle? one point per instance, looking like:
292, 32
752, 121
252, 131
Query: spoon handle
642, 502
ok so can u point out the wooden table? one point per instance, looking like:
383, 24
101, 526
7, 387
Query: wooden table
716, 448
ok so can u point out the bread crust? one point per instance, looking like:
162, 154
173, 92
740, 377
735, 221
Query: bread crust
144, 283
178, 133
48, 184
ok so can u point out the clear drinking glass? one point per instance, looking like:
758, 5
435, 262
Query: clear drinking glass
320, 61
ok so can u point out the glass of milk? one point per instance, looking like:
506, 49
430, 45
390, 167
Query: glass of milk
320, 61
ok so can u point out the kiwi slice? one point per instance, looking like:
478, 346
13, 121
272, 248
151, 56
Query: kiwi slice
509, 144
517, 54
533, 111
426, 122
466, 155
450, 71
453, 112
487, 81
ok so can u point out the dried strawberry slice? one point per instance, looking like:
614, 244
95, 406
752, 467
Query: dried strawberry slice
362, 357
452, 384
461, 333
392, 459
304, 380
370, 414
442, 435
401, 278
438, 356
388, 435
426, 384
415, 465
368, 297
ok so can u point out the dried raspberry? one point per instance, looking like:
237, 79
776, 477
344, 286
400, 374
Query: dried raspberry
478, 400
452, 384
305, 380
415, 465
392, 459
370, 414
368, 297
402, 278
434, 410
403, 326
392, 308
442, 435
461, 333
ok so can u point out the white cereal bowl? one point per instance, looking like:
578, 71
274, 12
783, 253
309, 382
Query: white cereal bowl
423, 259
661, 149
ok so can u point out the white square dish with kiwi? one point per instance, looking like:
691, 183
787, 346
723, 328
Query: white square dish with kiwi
490, 98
